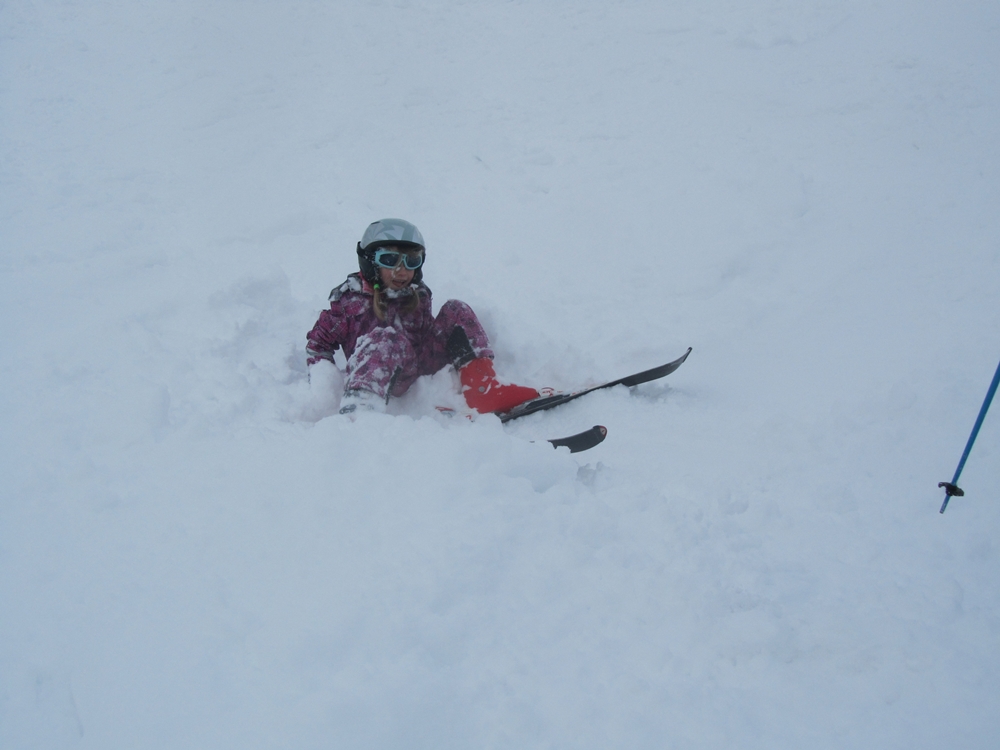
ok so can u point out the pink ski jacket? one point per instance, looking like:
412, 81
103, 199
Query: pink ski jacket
351, 315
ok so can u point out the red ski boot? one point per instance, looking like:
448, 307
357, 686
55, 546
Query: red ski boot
484, 393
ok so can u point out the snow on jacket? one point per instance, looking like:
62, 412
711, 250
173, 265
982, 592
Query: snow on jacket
352, 315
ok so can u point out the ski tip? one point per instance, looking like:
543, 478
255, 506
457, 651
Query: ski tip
584, 440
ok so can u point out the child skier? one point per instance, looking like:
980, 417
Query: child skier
381, 318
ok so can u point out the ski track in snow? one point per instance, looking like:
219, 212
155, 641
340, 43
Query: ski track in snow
195, 551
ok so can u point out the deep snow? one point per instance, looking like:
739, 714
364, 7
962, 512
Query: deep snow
195, 552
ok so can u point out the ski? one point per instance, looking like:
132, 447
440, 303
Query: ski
549, 402
583, 441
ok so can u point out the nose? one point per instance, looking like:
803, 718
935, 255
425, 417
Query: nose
401, 275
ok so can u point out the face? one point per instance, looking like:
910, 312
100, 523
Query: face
396, 278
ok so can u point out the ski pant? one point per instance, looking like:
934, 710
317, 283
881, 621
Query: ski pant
386, 362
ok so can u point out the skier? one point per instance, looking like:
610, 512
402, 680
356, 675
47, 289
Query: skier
382, 319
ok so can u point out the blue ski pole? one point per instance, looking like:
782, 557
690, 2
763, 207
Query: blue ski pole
952, 488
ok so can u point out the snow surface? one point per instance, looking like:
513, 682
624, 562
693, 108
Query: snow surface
195, 553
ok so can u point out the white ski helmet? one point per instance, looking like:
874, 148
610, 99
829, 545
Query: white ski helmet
387, 232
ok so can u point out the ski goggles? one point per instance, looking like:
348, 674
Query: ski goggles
392, 258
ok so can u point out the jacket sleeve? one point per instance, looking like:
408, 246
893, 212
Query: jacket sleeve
327, 336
